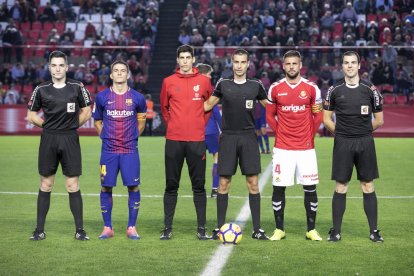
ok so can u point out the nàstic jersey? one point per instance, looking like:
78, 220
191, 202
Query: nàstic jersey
295, 105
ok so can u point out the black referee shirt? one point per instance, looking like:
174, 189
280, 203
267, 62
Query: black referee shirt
60, 105
353, 106
238, 103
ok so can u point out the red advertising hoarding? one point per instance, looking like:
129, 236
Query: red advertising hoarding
12, 122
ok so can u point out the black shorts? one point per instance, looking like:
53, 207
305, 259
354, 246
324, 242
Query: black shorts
241, 149
360, 152
60, 147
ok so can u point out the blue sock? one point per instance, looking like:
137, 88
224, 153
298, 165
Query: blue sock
134, 201
106, 208
260, 141
266, 138
215, 177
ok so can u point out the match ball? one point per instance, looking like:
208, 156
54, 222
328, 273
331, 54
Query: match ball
230, 233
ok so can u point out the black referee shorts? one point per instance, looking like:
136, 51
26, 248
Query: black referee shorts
360, 152
60, 147
238, 148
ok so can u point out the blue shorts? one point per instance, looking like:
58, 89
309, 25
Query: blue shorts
260, 123
128, 164
212, 143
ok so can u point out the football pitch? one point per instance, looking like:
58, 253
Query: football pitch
60, 253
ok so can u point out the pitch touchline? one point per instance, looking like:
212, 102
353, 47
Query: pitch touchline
222, 253
190, 196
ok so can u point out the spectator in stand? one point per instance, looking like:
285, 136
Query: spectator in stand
107, 28
134, 66
384, 6
408, 28
141, 86
256, 28
349, 14
268, 20
410, 17
66, 42
70, 74
48, 14
209, 48
210, 29
389, 56
223, 14
93, 64
2, 92
12, 37
360, 6
196, 38
90, 30
402, 86
387, 75
17, 73
80, 73
325, 76
16, 11
349, 40
327, 21
246, 17
184, 38
103, 75
12, 95
4, 12
53, 36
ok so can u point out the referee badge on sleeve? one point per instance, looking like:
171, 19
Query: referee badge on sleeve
364, 110
249, 104
70, 107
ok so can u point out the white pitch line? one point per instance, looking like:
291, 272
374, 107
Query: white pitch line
222, 253
190, 196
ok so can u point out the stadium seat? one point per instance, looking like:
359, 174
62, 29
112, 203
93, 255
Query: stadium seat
91, 88
34, 34
24, 26
39, 52
388, 98
387, 88
36, 26
60, 27
28, 52
338, 29
371, 17
400, 99
27, 89
47, 26
220, 52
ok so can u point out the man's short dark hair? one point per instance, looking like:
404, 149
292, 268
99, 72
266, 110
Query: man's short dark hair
58, 54
119, 61
240, 51
292, 53
185, 49
350, 53
204, 68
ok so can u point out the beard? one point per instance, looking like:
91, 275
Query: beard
294, 76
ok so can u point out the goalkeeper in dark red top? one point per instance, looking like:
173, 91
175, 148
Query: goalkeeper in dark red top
182, 106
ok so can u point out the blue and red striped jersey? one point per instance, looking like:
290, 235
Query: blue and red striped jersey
119, 117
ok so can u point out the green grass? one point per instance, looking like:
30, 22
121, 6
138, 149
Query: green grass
184, 254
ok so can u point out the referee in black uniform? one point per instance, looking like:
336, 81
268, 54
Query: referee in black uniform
238, 141
66, 106
355, 102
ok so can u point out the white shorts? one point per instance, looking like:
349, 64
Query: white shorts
287, 164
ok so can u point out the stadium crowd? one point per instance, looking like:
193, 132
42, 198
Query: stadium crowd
79, 29
383, 31
386, 26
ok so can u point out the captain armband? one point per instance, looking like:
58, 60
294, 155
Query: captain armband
141, 116
316, 108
